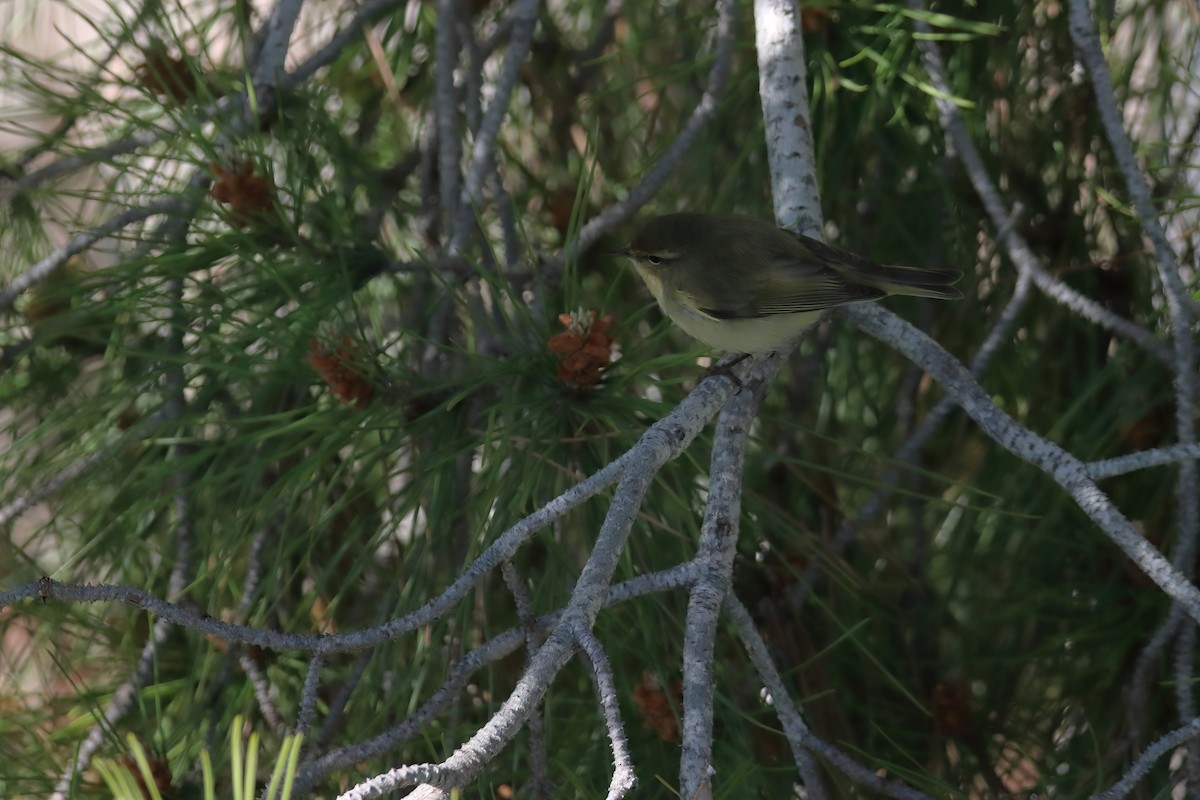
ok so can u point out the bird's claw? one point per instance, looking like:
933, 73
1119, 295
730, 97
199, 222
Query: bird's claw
727, 370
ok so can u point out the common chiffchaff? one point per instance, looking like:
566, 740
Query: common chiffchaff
743, 285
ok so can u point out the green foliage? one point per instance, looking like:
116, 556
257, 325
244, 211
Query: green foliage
982, 583
139, 776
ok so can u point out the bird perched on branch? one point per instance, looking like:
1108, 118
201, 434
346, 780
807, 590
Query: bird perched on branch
744, 285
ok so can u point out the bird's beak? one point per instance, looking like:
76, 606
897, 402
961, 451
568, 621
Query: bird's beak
624, 251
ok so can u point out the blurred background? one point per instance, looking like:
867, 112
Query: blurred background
292, 397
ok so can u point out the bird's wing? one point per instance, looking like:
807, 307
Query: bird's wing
837, 258
803, 275
889, 278
797, 285
722, 294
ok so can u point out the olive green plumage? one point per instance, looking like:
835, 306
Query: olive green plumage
742, 284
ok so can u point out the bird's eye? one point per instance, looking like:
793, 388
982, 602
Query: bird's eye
655, 260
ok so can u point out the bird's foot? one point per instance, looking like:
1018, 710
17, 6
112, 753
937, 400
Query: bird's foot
726, 370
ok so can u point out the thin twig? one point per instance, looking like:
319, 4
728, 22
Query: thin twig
123, 698
1137, 693
19, 505
623, 779
1017, 248
337, 708
800, 738
1087, 44
672, 157
340, 41
87, 158
539, 783
308, 697
679, 428
1066, 470
446, 48
264, 694
1158, 457
1125, 786
42, 270
269, 60
911, 447
500, 550
523, 14
714, 560
658, 445
502, 645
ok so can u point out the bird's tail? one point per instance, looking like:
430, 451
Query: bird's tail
915, 282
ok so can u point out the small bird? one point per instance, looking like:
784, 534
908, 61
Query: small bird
743, 285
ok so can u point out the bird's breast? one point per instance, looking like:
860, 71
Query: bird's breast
653, 282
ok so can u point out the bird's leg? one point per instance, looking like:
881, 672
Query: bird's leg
727, 370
